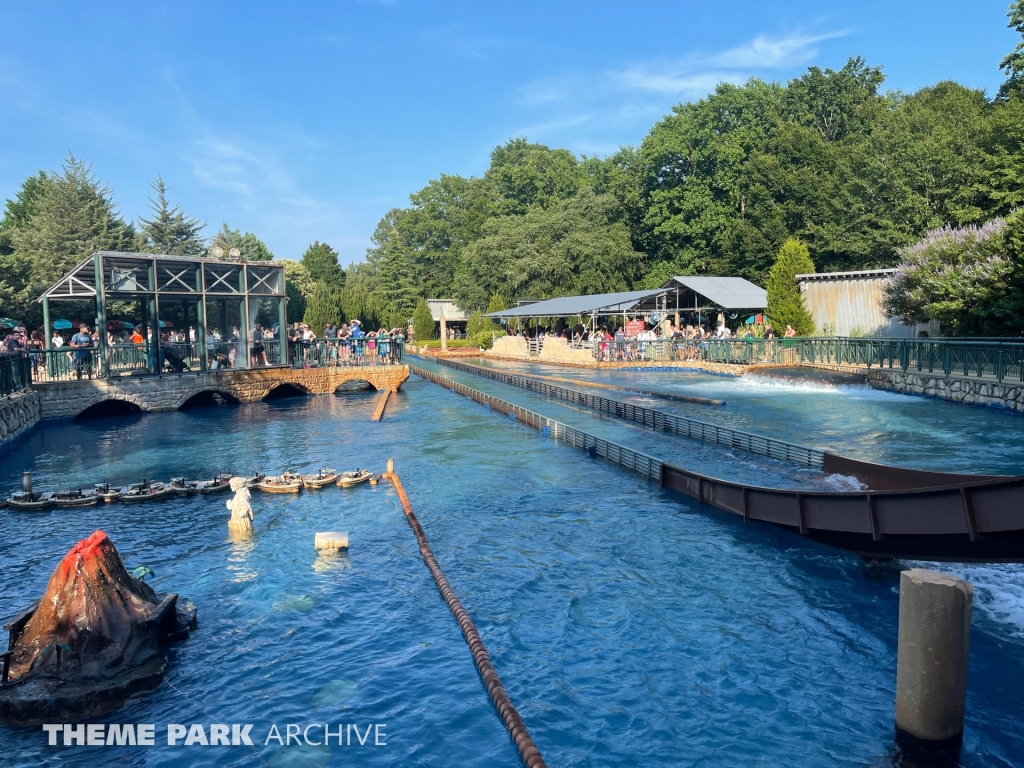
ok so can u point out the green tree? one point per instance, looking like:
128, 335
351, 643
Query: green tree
1013, 62
785, 304
252, 248
170, 231
73, 218
323, 307
321, 263
298, 286
422, 322
18, 211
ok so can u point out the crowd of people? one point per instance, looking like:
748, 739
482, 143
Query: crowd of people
344, 345
132, 348
672, 341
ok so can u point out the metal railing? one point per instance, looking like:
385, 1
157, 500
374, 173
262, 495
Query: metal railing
328, 353
658, 420
68, 364
641, 463
15, 373
989, 359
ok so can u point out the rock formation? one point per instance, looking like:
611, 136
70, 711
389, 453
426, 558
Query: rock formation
91, 641
241, 510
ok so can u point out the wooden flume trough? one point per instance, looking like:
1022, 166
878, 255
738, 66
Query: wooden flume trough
900, 513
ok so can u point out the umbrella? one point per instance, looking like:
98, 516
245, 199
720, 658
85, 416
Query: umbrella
61, 325
750, 320
115, 325
167, 324
127, 325
6, 322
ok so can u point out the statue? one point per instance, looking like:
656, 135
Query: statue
241, 511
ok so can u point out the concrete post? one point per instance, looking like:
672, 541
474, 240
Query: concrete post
444, 335
391, 467
931, 664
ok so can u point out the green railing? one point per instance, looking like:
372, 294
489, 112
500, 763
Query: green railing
997, 360
15, 374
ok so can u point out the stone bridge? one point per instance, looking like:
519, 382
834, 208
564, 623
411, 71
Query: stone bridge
65, 399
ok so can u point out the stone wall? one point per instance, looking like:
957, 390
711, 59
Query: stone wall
167, 393
18, 414
957, 389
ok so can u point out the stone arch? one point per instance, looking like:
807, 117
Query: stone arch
200, 396
283, 389
111, 405
355, 384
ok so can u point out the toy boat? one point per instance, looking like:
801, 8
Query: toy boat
147, 490
321, 479
255, 480
29, 501
289, 482
106, 492
75, 498
348, 479
219, 483
183, 487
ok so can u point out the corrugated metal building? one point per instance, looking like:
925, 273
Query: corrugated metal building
850, 304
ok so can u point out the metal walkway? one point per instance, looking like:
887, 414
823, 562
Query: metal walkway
657, 420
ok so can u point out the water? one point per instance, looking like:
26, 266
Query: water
630, 627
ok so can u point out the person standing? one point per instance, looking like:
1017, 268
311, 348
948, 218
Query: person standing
81, 343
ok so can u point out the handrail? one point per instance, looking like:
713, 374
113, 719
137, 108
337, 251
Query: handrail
658, 420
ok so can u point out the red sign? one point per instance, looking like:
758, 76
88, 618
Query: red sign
633, 327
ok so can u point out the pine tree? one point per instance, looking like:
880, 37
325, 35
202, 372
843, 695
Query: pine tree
422, 322
322, 307
785, 304
170, 231
321, 262
73, 218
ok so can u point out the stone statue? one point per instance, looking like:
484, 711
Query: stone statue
241, 511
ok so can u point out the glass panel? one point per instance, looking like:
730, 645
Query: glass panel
223, 278
265, 280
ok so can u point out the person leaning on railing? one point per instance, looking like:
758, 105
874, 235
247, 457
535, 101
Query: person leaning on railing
81, 343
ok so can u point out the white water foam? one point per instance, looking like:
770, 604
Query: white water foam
998, 590
770, 383
844, 483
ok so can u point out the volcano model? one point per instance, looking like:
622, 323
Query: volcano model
92, 641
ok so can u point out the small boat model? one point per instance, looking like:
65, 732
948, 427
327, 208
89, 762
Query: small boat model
147, 490
255, 480
321, 479
220, 483
289, 482
107, 493
75, 498
348, 479
183, 487
31, 501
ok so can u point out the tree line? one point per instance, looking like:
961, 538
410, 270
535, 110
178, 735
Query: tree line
858, 177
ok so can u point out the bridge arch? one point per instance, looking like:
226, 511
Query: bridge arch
283, 389
206, 396
111, 405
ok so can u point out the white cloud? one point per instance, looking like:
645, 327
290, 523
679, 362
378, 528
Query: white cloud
585, 109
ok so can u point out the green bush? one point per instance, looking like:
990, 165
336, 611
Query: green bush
785, 304
452, 343
422, 322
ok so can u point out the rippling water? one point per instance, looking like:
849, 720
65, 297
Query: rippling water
630, 627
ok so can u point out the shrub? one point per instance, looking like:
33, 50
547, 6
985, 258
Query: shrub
422, 322
785, 304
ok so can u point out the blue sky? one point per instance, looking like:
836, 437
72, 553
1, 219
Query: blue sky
309, 120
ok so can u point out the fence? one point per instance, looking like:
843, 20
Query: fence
641, 463
658, 420
15, 374
998, 360
67, 364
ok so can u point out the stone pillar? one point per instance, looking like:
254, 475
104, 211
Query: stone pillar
444, 335
931, 665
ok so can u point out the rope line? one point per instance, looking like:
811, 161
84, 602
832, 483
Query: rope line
513, 722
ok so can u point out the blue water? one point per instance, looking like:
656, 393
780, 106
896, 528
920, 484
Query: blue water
630, 627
